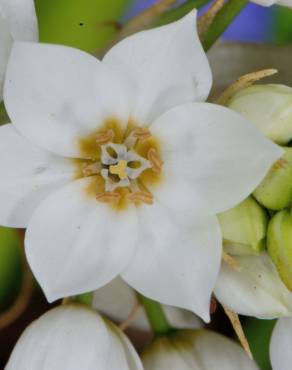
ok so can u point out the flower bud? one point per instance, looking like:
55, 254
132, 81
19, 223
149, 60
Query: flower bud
73, 337
200, 350
244, 228
269, 108
279, 243
275, 191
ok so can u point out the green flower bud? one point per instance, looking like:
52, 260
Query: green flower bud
269, 108
275, 191
279, 243
244, 228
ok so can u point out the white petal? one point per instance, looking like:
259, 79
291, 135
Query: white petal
167, 67
132, 358
28, 175
21, 19
83, 242
256, 290
213, 158
117, 300
71, 338
198, 350
56, 94
265, 2
285, 3
5, 48
281, 344
177, 260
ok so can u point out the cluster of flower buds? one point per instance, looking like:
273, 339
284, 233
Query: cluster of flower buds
265, 220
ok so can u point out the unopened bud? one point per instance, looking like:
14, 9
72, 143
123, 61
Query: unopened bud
279, 243
200, 350
275, 191
244, 228
269, 108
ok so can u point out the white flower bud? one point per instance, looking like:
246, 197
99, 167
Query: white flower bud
73, 337
200, 350
269, 108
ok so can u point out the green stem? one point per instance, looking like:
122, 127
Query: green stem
85, 299
221, 21
156, 316
178, 12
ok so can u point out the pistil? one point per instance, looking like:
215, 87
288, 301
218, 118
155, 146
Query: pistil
119, 169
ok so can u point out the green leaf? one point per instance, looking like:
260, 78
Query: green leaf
258, 333
87, 24
282, 25
10, 266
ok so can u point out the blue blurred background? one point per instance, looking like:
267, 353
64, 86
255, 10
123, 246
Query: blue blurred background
254, 24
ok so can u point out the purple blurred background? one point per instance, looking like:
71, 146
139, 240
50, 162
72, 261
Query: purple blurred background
254, 24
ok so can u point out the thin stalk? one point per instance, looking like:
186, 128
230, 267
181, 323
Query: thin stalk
180, 11
221, 21
156, 316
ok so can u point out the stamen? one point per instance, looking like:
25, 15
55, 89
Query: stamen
138, 133
108, 197
141, 196
155, 161
105, 137
231, 261
234, 319
119, 169
141, 133
91, 169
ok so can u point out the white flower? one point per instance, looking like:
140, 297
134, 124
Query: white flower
135, 119
255, 290
199, 350
118, 301
272, 2
281, 344
17, 22
73, 338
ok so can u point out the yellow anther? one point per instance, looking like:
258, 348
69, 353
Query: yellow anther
108, 197
105, 137
141, 133
155, 161
141, 196
91, 169
119, 169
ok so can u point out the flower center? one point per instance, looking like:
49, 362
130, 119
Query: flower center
119, 169
121, 165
